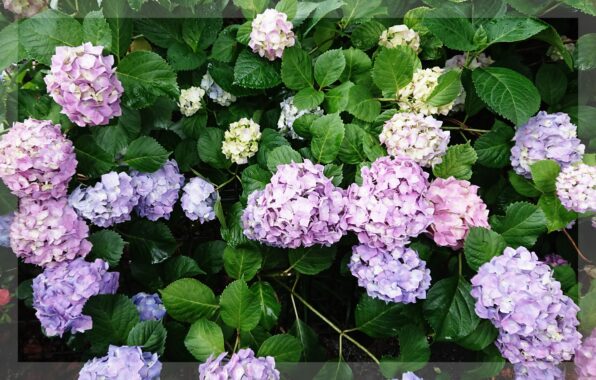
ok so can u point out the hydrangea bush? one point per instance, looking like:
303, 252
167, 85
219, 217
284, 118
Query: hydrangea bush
248, 184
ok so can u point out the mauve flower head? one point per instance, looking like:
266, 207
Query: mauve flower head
412, 97
459, 62
395, 276
150, 306
585, 358
61, 291
242, 365
400, 35
289, 114
215, 92
190, 101
553, 260
50, 231
410, 376
545, 136
5, 222
300, 207
457, 209
123, 363
390, 206
36, 160
158, 191
415, 136
537, 371
110, 201
576, 187
271, 34
241, 141
25, 8
84, 83
198, 200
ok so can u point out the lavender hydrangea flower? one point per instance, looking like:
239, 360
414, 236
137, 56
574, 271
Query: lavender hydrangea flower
5, 222
576, 187
395, 276
109, 202
300, 207
36, 160
242, 365
215, 92
198, 200
271, 34
553, 260
45, 232
410, 376
158, 191
150, 306
84, 83
25, 8
537, 370
545, 136
585, 358
124, 362
289, 114
61, 291
390, 206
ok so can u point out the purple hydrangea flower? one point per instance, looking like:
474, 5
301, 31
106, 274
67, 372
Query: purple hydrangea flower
545, 137
396, 276
158, 191
50, 231
576, 187
390, 206
198, 200
150, 306
299, 207
410, 376
36, 160
124, 362
25, 8
84, 83
109, 202
585, 358
5, 222
537, 371
61, 291
271, 34
242, 365
554, 260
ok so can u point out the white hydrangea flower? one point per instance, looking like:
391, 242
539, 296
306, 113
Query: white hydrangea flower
554, 53
400, 35
190, 100
216, 93
241, 141
458, 62
289, 114
413, 97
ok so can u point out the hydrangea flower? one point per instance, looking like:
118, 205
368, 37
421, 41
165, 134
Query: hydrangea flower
45, 232
242, 365
124, 362
410, 376
198, 200
289, 114
84, 83
158, 191
412, 98
271, 34
457, 209
553, 260
400, 35
300, 207
241, 141
576, 187
36, 160
5, 222
395, 276
537, 370
545, 136
554, 54
190, 100
585, 358
215, 92
25, 8
109, 202
415, 136
390, 206
458, 62
61, 291
150, 306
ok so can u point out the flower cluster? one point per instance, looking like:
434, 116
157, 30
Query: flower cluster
553, 52
215, 92
519, 295
242, 365
400, 35
545, 136
241, 141
109, 202
457, 209
36, 160
271, 34
537, 370
84, 83
415, 136
413, 97
395, 276
554, 260
198, 200
158, 191
124, 362
585, 358
410, 376
190, 100
150, 306
459, 62
61, 291
299, 207
25, 8
576, 187
5, 222
289, 114
45, 232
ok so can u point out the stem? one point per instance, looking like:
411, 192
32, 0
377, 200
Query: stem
341, 349
357, 344
228, 180
574, 244
387, 100
237, 340
459, 264
449, 128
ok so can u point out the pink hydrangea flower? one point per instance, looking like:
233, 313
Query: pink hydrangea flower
25, 8
576, 187
271, 34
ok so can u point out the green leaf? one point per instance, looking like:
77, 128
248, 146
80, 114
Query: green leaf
289, 7
586, 52
522, 224
161, 32
566, 276
336, 99
323, 9
188, 300
328, 133
352, 147
312, 349
557, 216
512, 29
414, 352
107, 245
182, 58
92, 160
296, 69
457, 162
121, 24
224, 47
96, 30
329, 66
252, 71
378, 319
153, 240
270, 139
394, 68
335, 173
200, 33
523, 186
145, 155
447, 89
9, 45
455, 31
145, 76
233, 233
585, 6
209, 255
254, 178
551, 82
449, 309
366, 36
551, 36
308, 98
358, 64
362, 104
280, 156
283, 347
209, 147
355, 10
312, 260
494, 148
268, 303
335, 370
507, 92
250, 8
544, 175
240, 308
179, 267
136, 5
242, 262
479, 339
111, 138
205, 338
482, 245
8, 202
149, 335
